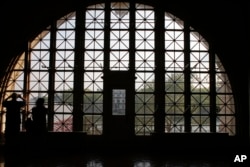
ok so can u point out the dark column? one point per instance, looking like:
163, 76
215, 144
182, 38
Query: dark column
159, 72
78, 69
213, 107
106, 108
51, 90
187, 113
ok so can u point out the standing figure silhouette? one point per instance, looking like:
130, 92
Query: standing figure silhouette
39, 113
13, 105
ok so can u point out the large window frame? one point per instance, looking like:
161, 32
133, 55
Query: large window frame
180, 83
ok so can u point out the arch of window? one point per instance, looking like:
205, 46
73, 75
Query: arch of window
180, 83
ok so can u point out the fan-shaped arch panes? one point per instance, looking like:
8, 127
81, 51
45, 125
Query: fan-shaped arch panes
176, 75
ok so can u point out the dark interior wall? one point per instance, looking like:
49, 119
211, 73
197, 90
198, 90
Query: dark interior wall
224, 24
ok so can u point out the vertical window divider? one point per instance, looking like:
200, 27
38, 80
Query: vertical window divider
159, 72
132, 38
78, 69
26, 75
213, 107
132, 62
25, 84
187, 82
106, 37
51, 90
106, 70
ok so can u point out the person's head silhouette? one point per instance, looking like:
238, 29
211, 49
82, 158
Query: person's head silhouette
14, 96
40, 102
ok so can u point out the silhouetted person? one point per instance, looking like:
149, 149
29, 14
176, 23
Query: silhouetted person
39, 113
13, 105
39, 129
28, 124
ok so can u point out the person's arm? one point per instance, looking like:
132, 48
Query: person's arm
19, 96
6, 101
23, 102
8, 98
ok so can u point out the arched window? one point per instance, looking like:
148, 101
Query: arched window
115, 59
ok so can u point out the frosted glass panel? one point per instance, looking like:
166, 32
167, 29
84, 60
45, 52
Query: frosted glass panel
119, 102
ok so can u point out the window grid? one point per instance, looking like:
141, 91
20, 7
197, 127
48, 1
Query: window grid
119, 36
63, 72
37, 71
93, 70
144, 66
174, 75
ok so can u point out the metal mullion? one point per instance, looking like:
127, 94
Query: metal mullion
171, 30
172, 50
213, 107
132, 71
61, 70
107, 37
142, 71
31, 50
106, 66
66, 29
187, 81
51, 72
94, 29
120, 49
200, 72
199, 93
40, 70
25, 84
26, 78
143, 29
64, 50
159, 71
78, 69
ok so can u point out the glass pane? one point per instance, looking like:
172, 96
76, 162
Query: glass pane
119, 102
